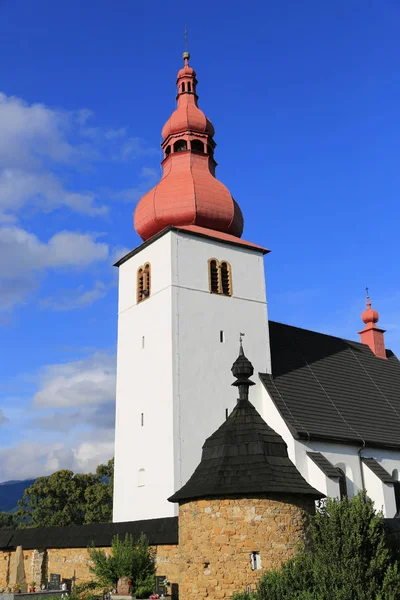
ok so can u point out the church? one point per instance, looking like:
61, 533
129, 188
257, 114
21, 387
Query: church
229, 426
187, 295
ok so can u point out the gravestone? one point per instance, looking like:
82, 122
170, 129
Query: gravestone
54, 581
68, 583
123, 587
160, 587
174, 591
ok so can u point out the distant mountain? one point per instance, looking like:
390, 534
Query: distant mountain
11, 492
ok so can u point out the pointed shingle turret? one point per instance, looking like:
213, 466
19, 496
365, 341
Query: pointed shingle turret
244, 457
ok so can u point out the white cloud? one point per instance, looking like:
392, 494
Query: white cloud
77, 298
24, 258
33, 459
3, 418
21, 251
19, 186
37, 140
90, 381
76, 399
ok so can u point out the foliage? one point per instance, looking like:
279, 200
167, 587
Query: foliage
65, 498
87, 590
6, 520
129, 558
347, 558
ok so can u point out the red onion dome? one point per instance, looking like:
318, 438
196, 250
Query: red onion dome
188, 193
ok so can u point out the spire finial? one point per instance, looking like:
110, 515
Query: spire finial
241, 336
186, 54
368, 300
242, 369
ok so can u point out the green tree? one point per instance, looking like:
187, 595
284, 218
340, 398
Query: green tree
99, 496
57, 500
65, 498
348, 558
6, 520
129, 558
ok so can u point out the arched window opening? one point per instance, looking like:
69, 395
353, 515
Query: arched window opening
140, 284
189, 86
197, 146
167, 150
220, 277
141, 476
183, 87
214, 276
342, 483
396, 486
226, 283
143, 285
180, 146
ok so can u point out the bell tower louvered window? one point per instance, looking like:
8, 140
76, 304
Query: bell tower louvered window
214, 276
220, 277
225, 270
143, 284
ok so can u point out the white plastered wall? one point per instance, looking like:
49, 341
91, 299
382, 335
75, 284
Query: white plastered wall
343, 456
181, 379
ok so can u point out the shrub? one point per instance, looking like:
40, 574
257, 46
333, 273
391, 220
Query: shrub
130, 558
348, 559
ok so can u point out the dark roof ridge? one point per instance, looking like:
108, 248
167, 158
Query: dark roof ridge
342, 339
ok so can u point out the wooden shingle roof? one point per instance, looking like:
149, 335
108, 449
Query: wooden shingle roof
244, 457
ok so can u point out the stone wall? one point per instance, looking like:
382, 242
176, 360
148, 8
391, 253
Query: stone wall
212, 560
217, 537
66, 562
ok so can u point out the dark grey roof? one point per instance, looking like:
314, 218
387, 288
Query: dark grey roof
158, 531
243, 457
379, 471
328, 388
324, 464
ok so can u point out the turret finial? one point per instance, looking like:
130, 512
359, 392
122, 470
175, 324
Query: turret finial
186, 54
242, 369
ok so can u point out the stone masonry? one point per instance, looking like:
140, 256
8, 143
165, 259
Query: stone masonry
217, 537
69, 561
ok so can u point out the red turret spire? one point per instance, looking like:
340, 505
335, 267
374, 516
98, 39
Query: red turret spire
371, 334
188, 193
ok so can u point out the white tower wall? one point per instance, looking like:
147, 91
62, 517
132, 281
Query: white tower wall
181, 379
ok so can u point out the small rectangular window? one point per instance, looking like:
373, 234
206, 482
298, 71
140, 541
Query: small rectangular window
221, 337
142, 419
226, 413
255, 561
142, 341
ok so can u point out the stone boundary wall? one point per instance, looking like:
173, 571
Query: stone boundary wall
67, 561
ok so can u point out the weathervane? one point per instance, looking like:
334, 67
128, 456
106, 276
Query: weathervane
185, 39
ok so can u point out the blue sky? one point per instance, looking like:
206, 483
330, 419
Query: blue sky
304, 97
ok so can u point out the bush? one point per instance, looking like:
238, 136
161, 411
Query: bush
348, 559
130, 558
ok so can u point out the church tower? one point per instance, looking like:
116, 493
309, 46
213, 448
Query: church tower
185, 295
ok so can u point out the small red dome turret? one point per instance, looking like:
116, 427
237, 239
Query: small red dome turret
188, 193
372, 335
369, 315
